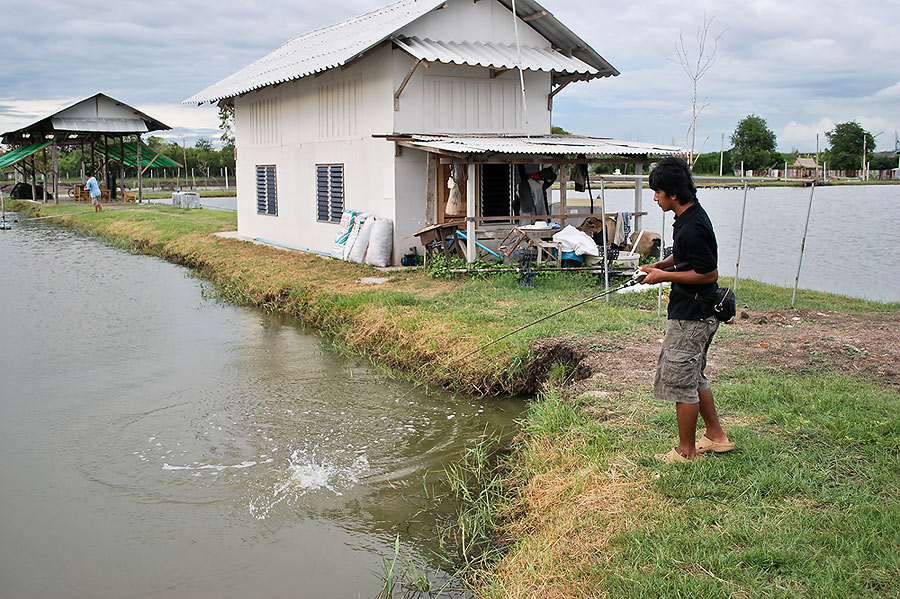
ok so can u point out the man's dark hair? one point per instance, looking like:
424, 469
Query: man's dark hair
673, 176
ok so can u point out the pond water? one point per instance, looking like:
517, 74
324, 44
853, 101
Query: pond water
157, 443
852, 243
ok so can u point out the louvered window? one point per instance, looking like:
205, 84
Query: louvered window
266, 194
329, 192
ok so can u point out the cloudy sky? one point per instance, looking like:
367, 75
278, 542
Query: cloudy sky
803, 65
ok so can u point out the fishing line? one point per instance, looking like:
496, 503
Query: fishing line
638, 277
75, 213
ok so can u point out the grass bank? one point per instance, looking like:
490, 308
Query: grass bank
413, 323
806, 506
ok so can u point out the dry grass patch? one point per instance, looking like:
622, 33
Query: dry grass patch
563, 525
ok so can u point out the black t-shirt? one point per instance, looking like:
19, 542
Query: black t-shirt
694, 244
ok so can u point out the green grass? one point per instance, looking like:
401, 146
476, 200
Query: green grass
808, 505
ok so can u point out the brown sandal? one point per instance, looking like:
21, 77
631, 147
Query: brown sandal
706, 445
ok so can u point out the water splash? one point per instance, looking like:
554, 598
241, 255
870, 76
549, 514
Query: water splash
307, 473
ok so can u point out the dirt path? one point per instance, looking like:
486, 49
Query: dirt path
792, 340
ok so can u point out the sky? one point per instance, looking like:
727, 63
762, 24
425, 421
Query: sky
803, 66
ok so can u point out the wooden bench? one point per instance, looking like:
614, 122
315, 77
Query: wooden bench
81, 194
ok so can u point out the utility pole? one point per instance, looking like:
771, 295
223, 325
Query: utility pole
864, 155
722, 155
817, 155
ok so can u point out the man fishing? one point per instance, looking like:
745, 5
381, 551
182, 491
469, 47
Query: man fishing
691, 322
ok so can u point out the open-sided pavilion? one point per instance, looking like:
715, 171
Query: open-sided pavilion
108, 133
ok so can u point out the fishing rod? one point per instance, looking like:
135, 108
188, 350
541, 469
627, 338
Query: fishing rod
637, 277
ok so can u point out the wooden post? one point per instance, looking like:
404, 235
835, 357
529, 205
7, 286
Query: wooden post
638, 196
33, 180
431, 161
122, 165
563, 182
471, 206
44, 176
54, 152
140, 173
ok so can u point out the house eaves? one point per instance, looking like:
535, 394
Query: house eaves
337, 45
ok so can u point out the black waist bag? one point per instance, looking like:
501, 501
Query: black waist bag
725, 307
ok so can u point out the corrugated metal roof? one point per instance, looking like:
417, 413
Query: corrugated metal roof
100, 125
97, 104
559, 35
543, 145
338, 44
148, 156
318, 50
497, 56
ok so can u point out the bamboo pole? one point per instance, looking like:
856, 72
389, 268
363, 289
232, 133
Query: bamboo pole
803, 244
737, 264
605, 256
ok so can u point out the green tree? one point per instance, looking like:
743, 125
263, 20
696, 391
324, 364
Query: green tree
226, 123
847, 141
753, 143
558, 131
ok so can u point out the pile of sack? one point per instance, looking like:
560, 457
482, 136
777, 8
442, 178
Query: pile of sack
364, 238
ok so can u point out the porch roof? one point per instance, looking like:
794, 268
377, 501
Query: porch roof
486, 148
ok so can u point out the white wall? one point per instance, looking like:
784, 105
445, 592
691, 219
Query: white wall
323, 120
447, 98
332, 118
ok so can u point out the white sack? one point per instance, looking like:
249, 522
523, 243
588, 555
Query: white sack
354, 234
337, 250
573, 240
358, 251
381, 243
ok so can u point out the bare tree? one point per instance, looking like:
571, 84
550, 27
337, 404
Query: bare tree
696, 68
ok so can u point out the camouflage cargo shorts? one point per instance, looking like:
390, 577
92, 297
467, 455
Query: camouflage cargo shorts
682, 360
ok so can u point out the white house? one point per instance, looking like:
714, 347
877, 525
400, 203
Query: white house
366, 115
